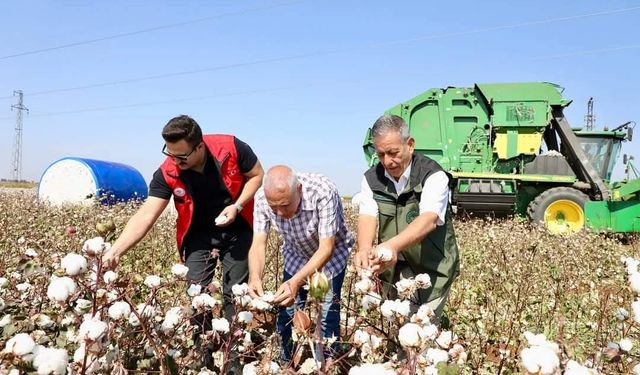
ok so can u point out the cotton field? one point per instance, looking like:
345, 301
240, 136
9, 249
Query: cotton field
525, 302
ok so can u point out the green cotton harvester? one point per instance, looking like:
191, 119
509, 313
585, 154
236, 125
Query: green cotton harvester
510, 150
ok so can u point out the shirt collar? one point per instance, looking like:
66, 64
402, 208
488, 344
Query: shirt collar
403, 177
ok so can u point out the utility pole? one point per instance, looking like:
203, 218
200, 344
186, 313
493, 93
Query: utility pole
589, 118
16, 166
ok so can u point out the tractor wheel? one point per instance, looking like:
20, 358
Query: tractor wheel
560, 209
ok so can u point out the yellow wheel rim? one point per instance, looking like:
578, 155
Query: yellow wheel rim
564, 216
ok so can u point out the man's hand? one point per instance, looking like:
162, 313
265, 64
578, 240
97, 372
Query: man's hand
110, 260
287, 293
255, 287
230, 212
361, 260
382, 258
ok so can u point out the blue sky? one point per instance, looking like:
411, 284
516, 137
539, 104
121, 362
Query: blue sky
300, 81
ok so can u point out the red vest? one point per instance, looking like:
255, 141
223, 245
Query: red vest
223, 150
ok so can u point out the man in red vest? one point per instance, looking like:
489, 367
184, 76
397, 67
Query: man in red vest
212, 179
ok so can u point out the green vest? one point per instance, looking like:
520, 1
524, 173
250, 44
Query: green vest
437, 254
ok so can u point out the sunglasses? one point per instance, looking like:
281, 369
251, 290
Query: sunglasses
179, 157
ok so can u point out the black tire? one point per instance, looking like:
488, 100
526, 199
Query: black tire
537, 208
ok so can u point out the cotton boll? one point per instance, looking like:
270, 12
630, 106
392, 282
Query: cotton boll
635, 307
179, 270
361, 337
172, 319
92, 329
31, 253
424, 314
444, 339
220, 325
409, 335
622, 314
51, 361
634, 282
239, 290
245, 317
74, 264
636, 369
109, 277
631, 264
5, 320
94, 246
384, 253
435, 356
119, 310
406, 287
574, 368
371, 300
403, 308
249, 369
152, 281
20, 344
388, 308
194, 290
60, 289
626, 345
23, 287
202, 302
423, 281
4, 282
371, 369
43, 321
363, 286
82, 306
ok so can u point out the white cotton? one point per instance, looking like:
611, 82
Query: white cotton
220, 325
384, 253
409, 335
423, 281
272, 368
361, 337
634, 282
635, 307
92, 329
424, 314
363, 286
23, 287
388, 308
245, 317
74, 264
540, 359
240, 289
152, 281
43, 321
2, 304
172, 319
61, 288
376, 342
626, 345
405, 287
194, 290
94, 246
631, 264
622, 314
179, 270
31, 253
5, 320
535, 339
82, 306
259, 304
370, 300
445, 338
435, 356
3, 282
371, 369
51, 361
249, 369
403, 308
119, 310
203, 301
20, 344
574, 368
636, 369
109, 277
430, 332
268, 297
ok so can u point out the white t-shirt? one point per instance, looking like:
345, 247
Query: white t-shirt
434, 197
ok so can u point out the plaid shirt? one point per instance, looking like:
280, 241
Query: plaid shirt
320, 215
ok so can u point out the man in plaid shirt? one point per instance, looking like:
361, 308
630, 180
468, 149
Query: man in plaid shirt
306, 210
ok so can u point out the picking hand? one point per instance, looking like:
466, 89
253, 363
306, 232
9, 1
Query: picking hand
287, 293
255, 288
230, 212
382, 258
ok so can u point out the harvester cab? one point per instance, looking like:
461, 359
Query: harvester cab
510, 150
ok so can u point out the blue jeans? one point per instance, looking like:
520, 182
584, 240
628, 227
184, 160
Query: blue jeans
330, 315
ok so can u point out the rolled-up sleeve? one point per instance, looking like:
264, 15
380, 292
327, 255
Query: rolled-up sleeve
435, 195
327, 210
366, 204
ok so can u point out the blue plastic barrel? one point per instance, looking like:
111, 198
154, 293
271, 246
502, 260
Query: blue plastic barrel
84, 181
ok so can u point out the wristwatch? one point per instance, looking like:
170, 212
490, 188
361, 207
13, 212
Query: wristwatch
238, 206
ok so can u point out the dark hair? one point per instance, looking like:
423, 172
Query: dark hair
390, 123
182, 127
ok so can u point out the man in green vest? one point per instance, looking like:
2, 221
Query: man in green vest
406, 197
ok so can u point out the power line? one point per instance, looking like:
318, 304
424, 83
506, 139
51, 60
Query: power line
332, 51
149, 30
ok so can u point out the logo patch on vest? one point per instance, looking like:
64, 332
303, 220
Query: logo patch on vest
412, 215
179, 192
233, 171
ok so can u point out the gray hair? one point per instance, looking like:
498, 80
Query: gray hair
281, 181
390, 123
